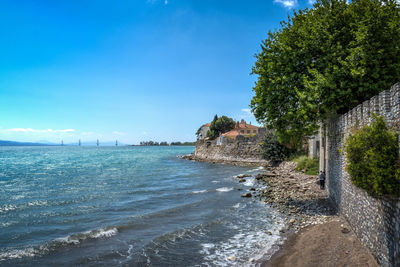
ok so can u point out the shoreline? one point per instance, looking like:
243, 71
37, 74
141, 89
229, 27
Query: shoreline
230, 161
309, 215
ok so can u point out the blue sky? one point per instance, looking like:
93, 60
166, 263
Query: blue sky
130, 70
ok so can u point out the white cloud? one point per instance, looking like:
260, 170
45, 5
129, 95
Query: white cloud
30, 130
166, 2
287, 3
247, 111
144, 133
311, 2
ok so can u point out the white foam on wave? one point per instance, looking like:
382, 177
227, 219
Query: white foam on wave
18, 197
242, 249
215, 182
17, 254
206, 248
37, 203
104, 233
77, 238
256, 169
255, 238
249, 181
224, 189
8, 207
6, 224
199, 191
11, 207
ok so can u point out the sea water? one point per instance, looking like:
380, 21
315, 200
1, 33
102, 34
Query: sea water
127, 206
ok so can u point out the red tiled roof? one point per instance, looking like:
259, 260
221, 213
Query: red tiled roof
206, 125
232, 133
246, 126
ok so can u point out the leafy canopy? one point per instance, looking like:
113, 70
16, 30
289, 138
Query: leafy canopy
272, 149
373, 154
220, 125
324, 61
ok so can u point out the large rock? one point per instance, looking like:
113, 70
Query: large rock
248, 194
243, 175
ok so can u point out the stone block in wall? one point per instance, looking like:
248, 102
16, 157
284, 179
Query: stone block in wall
359, 114
384, 104
395, 104
366, 113
374, 103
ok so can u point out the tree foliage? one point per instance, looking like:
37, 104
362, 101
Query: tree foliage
220, 125
373, 154
272, 149
324, 61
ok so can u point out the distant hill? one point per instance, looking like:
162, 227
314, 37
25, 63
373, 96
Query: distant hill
14, 143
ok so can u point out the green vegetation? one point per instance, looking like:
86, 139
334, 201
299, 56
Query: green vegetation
373, 159
272, 149
324, 61
307, 165
220, 125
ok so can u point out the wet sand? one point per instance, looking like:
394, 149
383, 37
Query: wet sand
327, 244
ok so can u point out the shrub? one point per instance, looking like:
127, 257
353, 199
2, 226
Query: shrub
307, 165
372, 154
272, 149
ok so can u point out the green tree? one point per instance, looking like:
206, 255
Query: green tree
220, 125
272, 149
324, 61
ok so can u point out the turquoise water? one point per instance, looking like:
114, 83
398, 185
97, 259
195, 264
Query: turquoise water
136, 206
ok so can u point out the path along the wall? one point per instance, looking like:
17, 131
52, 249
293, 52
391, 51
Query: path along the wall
375, 221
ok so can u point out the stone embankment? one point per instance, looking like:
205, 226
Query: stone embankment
246, 150
229, 160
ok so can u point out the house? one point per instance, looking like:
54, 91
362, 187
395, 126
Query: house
242, 128
203, 131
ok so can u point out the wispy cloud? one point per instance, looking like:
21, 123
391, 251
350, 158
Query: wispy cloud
287, 3
247, 111
118, 133
157, 1
311, 2
30, 130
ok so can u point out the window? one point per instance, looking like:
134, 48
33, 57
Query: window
248, 131
241, 131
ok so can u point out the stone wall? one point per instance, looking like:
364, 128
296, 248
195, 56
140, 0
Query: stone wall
240, 148
375, 221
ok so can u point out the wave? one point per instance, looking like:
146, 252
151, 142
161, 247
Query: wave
199, 191
78, 238
249, 182
18, 253
8, 207
243, 249
11, 207
224, 189
73, 239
